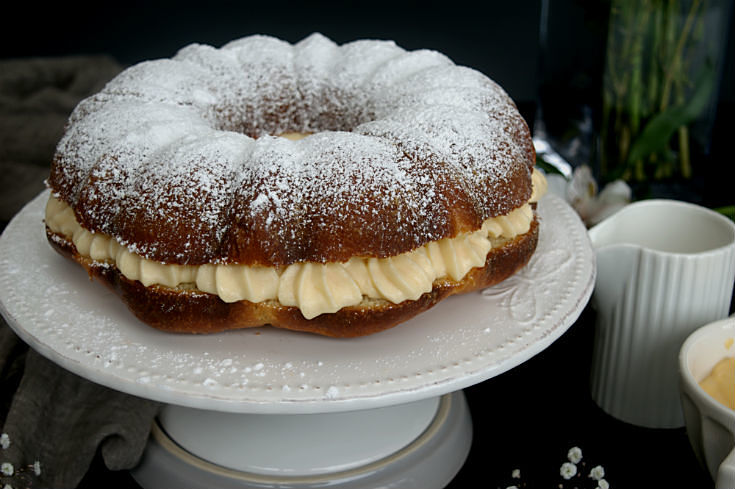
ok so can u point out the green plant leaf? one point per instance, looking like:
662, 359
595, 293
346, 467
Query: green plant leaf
728, 211
661, 127
546, 166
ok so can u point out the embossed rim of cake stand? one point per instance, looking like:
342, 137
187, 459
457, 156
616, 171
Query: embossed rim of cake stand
79, 324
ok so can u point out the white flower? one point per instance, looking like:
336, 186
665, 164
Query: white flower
516, 474
610, 200
4, 441
597, 473
574, 455
37, 468
512, 487
568, 470
7, 486
581, 192
7, 469
602, 484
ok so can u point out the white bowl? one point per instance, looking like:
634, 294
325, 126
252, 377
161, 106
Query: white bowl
710, 425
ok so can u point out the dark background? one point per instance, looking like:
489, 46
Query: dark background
526, 418
500, 42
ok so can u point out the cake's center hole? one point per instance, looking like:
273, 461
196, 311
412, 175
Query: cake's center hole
294, 136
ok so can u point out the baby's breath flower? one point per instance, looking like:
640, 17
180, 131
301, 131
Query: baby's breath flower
568, 470
4, 441
516, 474
7, 469
574, 455
597, 473
602, 484
37, 468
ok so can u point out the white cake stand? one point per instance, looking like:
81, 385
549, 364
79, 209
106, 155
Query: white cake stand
270, 408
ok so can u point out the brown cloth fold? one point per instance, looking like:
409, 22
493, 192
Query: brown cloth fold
49, 414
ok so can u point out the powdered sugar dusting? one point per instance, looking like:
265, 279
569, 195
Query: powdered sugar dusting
178, 158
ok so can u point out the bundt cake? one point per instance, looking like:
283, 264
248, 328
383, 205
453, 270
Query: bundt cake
336, 189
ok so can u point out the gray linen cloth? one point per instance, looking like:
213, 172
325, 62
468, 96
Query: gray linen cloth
36, 97
49, 414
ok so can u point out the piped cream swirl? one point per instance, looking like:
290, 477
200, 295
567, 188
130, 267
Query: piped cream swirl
314, 288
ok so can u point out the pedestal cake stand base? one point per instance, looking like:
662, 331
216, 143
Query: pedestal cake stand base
421, 444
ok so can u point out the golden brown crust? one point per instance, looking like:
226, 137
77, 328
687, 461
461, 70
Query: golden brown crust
174, 230
187, 311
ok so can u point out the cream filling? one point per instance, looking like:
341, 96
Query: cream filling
315, 288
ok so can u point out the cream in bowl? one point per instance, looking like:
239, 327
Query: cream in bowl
720, 383
707, 385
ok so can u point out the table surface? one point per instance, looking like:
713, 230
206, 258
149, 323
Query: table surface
529, 417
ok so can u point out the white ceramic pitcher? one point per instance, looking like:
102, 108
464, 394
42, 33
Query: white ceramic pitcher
664, 268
